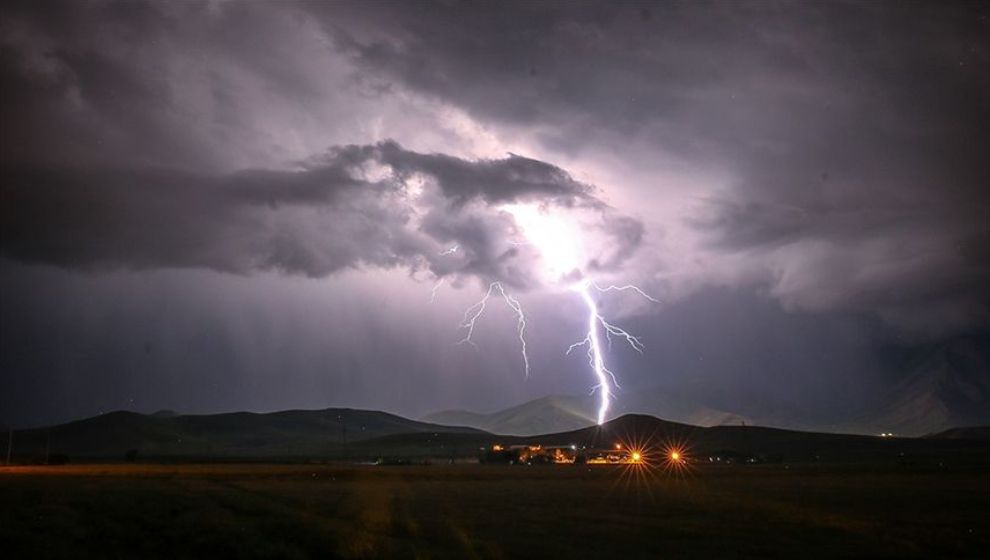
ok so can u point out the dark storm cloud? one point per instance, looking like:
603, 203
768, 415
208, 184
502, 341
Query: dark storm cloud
198, 85
853, 135
512, 179
126, 120
82, 83
376, 205
828, 155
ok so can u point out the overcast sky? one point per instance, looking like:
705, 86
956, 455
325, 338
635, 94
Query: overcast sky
247, 205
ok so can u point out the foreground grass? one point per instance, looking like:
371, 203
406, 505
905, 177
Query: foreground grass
299, 511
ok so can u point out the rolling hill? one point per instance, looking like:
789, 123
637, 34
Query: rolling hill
741, 443
240, 434
564, 413
947, 388
540, 416
351, 434
973, 432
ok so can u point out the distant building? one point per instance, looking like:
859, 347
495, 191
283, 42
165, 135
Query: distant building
531, 454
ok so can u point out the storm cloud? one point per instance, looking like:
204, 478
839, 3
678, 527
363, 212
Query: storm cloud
803, 186
377, 205
851, 138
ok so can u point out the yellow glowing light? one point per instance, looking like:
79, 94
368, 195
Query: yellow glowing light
675, 455
618, 446
636, 456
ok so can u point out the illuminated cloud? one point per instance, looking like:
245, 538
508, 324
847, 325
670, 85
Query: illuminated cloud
355, 206
802, 186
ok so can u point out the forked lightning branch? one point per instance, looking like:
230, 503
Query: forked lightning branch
559, 252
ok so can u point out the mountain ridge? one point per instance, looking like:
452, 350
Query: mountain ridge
355, 434
555, 413
287, 432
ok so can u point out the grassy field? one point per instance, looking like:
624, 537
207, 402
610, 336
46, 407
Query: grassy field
472, 511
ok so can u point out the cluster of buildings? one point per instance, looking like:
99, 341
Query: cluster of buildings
527, 454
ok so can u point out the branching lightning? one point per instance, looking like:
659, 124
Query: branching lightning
436, 287
592, 341
557, 244
622, 289
472, 314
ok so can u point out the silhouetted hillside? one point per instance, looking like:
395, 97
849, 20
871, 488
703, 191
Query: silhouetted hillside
973, 432
243, 434
361, 434
741, 443
763, 444
946, 388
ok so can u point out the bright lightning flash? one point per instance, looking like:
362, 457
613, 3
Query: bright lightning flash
593, 342
557, 242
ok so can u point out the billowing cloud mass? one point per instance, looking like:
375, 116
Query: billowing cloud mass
376, 205
807, 178
849, 135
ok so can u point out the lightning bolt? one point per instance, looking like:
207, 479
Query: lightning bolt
436, 287
622, 289
592, 341
559, 246
474, 312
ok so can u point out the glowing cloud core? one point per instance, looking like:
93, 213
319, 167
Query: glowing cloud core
560, 248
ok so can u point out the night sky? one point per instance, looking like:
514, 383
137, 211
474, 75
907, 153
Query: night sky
227, 206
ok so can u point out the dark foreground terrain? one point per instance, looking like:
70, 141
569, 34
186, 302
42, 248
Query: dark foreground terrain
477, 511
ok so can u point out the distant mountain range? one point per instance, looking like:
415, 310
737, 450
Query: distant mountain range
350, 434
945, 395
969, 447
565, 413
540, 416
948, 388
238, 434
